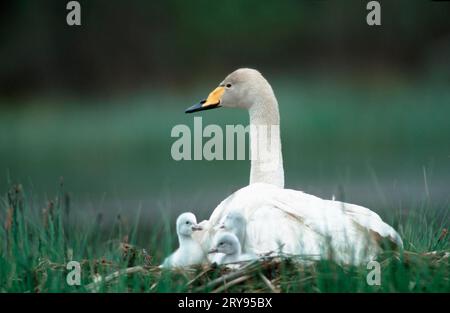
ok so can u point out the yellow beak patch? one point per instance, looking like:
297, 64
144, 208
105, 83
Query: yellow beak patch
214, 97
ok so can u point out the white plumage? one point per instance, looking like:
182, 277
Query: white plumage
189, 251
286, 220
227, 248
234, 222
301, 224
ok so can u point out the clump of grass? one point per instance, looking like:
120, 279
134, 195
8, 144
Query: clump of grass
37, 243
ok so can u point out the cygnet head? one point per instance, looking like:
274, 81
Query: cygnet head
226, 243
234, 222
187, 224
241, 89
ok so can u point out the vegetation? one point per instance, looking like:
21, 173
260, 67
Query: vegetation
36, 246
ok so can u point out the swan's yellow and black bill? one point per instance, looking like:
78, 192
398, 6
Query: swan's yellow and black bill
213, 101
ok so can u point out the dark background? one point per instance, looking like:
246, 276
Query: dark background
127, 45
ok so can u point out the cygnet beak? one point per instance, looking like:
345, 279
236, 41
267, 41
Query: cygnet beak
197, 227
214, 250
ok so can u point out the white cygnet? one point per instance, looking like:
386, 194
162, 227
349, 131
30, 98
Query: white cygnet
189, 251
228, 248
234, 222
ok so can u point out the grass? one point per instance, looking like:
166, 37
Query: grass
37, 243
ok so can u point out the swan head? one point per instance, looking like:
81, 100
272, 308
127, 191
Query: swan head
226, 243
187, 224
240, 89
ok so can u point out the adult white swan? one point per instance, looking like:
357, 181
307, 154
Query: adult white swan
284, 219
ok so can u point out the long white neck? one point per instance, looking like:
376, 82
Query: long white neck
265, 140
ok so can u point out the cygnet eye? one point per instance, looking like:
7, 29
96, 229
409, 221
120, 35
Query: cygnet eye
228, 85
187, 222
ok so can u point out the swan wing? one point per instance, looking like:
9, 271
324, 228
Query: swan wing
334, 215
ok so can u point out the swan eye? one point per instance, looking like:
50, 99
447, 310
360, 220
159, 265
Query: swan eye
228, 85
188, 222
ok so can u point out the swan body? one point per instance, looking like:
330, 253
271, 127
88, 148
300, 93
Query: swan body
286, 220
189, 251
228, 249
296, 223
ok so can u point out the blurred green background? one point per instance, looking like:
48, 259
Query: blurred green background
365, 110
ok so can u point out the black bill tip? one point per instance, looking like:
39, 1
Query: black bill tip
198, 107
